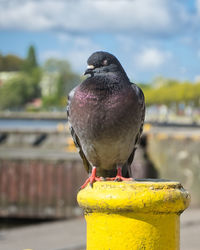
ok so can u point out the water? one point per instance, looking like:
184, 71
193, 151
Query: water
30, 123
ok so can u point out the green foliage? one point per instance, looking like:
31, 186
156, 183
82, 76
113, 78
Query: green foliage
67, 79
33, 71
17, 91
30, 62
11, 63
53, 65
53, 101
172, 92
49, 101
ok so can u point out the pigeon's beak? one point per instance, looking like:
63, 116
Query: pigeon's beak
89, 70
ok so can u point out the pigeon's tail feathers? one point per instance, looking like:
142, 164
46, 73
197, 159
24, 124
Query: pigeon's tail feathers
141, 99
126, 169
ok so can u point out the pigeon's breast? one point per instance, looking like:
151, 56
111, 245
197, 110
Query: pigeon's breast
103, 113
106, 123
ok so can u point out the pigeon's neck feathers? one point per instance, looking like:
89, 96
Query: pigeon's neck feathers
122, 71
109, 82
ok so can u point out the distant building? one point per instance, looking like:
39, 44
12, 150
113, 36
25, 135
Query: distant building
48, 83
5, 76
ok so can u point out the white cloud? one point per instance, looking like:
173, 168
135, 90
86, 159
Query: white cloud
77, 54
143, 16
183, 70
198, 6
63, 37
197, 78
125, 42
198, 53
50, 54
152, 58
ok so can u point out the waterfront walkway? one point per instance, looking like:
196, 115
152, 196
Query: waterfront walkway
71, 234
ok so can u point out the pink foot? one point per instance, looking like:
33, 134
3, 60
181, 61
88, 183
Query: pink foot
119, 176
91, 179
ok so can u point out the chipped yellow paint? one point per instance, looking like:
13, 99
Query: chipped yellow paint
133, 215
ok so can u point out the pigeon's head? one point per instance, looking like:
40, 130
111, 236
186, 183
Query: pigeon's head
102, 62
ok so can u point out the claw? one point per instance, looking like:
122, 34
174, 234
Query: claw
91, 179
85, 183
117, 179
119, 176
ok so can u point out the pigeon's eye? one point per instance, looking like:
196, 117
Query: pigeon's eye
105, 62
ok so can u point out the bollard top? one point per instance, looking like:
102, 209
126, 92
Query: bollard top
140, 196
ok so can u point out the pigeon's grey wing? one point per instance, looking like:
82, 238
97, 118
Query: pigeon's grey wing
139, 93
74, 136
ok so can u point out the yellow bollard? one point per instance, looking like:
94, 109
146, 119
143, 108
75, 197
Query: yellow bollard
139, 215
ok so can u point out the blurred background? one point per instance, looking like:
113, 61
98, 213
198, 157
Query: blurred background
44, 46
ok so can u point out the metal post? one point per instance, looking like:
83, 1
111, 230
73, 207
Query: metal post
138, 215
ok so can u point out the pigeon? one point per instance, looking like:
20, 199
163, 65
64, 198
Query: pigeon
106, 114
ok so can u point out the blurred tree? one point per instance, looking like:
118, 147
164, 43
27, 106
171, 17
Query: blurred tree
53, 65
171, 92
10, 63
197, 95
19, 90
16, 92
31, 68
66, 80
30, 62
1, 62
144, 86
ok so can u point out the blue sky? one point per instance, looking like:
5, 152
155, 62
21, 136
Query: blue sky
150, 37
